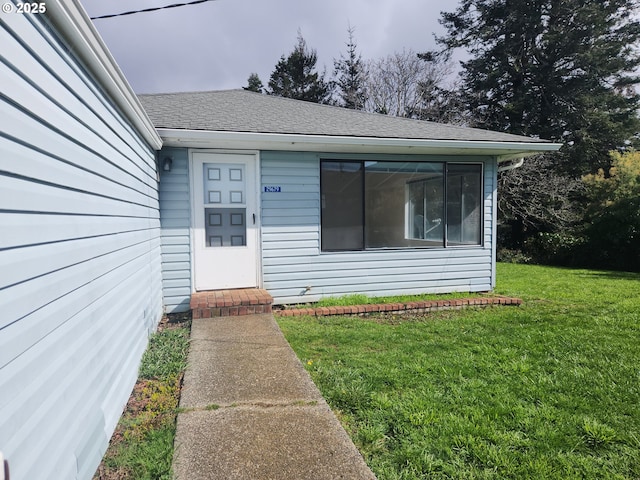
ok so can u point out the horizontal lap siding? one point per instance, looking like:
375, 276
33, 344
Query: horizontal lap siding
292, 261
80, 272
175, 220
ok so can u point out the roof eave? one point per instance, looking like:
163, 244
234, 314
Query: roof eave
504, 151
74, 25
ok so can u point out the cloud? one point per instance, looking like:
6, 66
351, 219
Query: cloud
217, 45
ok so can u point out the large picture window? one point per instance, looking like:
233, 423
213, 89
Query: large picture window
376, 205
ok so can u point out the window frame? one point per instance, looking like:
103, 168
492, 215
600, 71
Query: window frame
362, 212
481, 206
445, 241
408, 212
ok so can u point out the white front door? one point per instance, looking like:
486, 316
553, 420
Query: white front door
225, 219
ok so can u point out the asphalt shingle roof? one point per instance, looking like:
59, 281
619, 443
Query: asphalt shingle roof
244, 111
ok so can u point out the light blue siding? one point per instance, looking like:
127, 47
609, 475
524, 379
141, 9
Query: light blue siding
295, 270
80, 271
290, 241
175, 220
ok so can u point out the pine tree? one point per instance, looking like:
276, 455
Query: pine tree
349, 73
296, 77
254, 84
563, 70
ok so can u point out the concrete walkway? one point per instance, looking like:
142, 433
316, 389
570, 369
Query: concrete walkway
251, 410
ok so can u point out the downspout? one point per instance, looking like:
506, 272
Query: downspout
511, 165
508, 165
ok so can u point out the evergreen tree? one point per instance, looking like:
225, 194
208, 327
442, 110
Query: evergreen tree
559, 69
564, 70
254, 84
349, 73
296, 77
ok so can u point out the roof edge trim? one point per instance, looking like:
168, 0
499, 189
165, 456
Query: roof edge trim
175, 137
72, 22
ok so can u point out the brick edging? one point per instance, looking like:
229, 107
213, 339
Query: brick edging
409, 307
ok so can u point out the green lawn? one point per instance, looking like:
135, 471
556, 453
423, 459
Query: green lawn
548, 390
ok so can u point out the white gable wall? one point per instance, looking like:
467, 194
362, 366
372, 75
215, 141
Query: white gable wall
80, 283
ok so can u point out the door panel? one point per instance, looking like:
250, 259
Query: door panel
225, 220
225, 227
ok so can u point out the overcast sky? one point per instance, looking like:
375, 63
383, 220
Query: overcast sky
218, 44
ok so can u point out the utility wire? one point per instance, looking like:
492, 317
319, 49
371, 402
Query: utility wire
152, 9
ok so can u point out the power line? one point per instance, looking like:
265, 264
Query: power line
152, 9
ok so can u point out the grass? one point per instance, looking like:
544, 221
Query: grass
142, 445
549, 390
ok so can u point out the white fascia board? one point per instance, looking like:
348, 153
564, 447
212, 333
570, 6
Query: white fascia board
319, 143
73, 23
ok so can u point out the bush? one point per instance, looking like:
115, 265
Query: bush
555, 248
511, 255
613, 214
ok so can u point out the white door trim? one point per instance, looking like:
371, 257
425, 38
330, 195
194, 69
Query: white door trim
193, 191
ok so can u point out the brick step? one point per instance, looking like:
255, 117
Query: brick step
233, 302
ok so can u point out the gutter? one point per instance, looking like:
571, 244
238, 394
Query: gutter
279, 141
74, 25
